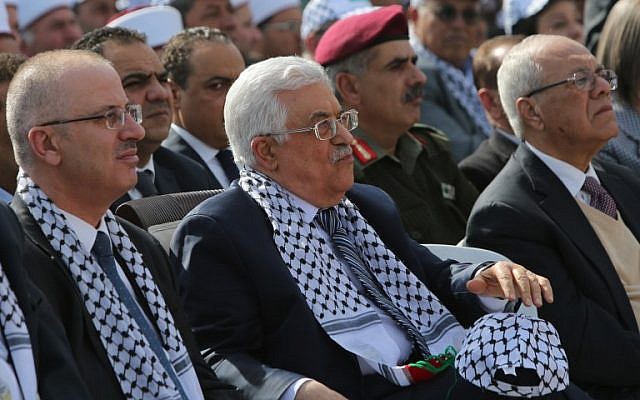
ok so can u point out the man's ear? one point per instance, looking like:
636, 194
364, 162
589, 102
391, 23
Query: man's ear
176, 93
530, 113
45, 144
348, 86
490, 100
412, 14
265, 151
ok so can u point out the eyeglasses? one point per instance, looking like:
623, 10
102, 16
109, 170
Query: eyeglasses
284, 26
328, 128
583, 80
448, 13
114, 118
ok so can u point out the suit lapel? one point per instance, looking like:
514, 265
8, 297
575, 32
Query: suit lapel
34, 233
177, 144
561, 207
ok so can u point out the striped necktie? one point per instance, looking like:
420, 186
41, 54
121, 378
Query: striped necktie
328, 220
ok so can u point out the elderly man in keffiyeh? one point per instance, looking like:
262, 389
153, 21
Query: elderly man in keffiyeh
299, 283
74, 133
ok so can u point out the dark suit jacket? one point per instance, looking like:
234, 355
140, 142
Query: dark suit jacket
442, 111
243, 302
175, 173
56, 371
175, 143
51, 275
527, 214
489, 158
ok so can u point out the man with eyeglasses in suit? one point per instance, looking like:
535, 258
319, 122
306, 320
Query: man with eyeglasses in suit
568, 217
145, 82
295, 278
108, 281
443, 32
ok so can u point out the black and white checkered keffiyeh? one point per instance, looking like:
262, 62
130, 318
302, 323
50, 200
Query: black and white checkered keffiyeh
16, 336
461, 87
336, 303
139, 371
504, 342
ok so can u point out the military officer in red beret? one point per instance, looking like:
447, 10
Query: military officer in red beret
372, 67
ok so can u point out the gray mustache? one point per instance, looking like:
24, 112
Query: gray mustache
341, 151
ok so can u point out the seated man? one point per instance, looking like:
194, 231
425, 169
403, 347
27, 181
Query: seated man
75, 143
493, 153
277, 307
572, 220
369, 54
35, 358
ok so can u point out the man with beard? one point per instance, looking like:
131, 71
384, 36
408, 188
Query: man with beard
372, 67
144, 79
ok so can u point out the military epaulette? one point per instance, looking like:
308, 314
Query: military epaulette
362, 151
426, 135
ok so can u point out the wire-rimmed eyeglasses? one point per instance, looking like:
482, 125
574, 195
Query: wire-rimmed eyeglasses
328, 128
114, 117
583, 80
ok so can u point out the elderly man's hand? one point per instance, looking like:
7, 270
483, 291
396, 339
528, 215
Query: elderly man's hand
511, 281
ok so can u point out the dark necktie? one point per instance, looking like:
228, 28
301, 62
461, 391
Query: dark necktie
225, 158
328, 220
145, 183
104, 255
600, 198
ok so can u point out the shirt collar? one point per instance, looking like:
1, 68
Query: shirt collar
205, 151
571, 177
148, 167
85, 233
509, 136
309, 211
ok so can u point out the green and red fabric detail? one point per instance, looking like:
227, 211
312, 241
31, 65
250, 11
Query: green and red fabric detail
424, 370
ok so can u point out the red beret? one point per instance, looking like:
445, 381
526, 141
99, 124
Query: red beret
358, 32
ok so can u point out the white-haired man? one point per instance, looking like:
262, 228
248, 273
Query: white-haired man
566, 217
297, 281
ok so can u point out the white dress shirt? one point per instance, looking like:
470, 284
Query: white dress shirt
206, 152
571, 177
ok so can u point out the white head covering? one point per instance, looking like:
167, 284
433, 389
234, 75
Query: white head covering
30, 10
514, 11
4, 18
265, 9
319, 12
159, 23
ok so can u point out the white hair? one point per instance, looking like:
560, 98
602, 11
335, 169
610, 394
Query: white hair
519, 74
252, 107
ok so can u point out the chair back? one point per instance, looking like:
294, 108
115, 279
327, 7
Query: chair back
160, 215
475, 255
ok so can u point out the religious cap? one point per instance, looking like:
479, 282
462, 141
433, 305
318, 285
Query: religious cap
317, 13
362, 31
514, 11
29, 11
262, 10
158, 23
499, 345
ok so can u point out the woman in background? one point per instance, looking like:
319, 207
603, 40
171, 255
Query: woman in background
619, 50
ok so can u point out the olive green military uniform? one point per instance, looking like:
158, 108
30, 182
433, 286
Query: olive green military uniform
433, 196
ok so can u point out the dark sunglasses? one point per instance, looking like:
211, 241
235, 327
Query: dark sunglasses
448, 13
